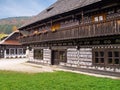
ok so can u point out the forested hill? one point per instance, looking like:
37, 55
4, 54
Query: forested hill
8, 24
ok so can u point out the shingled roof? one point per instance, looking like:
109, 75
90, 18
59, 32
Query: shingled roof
11, 39
59, 7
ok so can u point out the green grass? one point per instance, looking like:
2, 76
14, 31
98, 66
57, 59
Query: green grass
55, 81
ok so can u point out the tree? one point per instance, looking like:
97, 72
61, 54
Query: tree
14, 28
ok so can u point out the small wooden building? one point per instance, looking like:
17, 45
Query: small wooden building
11, 48
76, 33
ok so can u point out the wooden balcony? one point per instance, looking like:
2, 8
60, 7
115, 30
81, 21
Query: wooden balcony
103, 28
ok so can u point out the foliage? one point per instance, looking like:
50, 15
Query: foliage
55, 81
8, 25
2, 35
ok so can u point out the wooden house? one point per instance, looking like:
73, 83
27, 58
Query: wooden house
76, 33
11, 48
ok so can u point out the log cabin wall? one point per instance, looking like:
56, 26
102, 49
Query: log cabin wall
84, 58
81, 58
40, 55
47, 56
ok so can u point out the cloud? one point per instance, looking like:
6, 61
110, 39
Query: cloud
11, 8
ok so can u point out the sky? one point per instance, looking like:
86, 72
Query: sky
15, 8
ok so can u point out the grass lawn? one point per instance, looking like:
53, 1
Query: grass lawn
55, 81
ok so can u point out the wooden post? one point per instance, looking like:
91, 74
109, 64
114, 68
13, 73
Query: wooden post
82, 16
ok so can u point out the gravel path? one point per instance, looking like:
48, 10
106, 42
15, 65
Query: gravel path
20, 65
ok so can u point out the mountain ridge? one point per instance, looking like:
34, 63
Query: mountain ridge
7, 24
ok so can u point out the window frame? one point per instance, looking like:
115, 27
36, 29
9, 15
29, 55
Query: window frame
93, 54
113, 57
12, 51
103, 15
64, 58
38, 54
106, 57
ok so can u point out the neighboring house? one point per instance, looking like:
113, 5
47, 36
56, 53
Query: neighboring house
76, 33
11, 48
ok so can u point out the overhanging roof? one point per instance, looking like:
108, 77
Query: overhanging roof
59, 7
11, 39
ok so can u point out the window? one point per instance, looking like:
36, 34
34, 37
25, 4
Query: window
12, 51
38, 54
24, 51
99, 57
20, 51
62, 56
96, 19
99, 17
113, 57
7, 51
107, 57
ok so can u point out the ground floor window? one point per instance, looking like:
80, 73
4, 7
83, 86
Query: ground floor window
38, 54
1, 53
113, 57
12, 51
24, 51
107, 57
62, 56
7, 51
15, 51
20, 51
99, 57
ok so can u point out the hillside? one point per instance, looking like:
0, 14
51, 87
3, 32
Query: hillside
7, 24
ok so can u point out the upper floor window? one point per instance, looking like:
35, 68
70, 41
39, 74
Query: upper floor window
99, 17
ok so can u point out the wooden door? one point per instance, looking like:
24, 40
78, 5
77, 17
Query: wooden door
55, 57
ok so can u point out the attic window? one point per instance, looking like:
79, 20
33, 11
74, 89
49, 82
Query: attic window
49, 9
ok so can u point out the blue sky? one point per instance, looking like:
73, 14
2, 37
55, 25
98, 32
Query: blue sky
14, 8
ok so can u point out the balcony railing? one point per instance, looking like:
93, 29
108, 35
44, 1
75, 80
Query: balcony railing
103, 28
